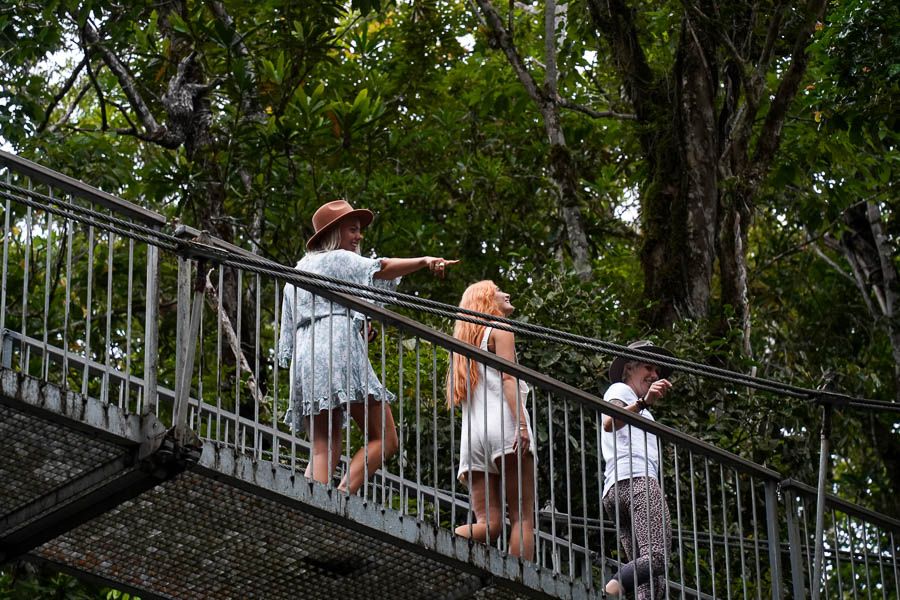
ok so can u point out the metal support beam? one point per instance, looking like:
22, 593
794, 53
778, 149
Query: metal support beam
824, 451
80, 500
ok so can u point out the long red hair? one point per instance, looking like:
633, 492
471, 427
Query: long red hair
463, 374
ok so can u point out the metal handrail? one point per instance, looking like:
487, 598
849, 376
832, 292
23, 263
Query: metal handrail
81, 189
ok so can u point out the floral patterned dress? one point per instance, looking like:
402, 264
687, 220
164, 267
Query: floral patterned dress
323, 342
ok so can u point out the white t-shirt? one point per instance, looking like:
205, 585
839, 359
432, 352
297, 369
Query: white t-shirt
628, 452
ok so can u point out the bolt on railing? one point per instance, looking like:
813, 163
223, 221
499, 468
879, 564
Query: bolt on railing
75, 309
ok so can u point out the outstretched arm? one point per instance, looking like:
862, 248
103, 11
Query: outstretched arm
391, 268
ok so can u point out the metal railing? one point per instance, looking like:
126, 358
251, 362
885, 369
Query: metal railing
99, 297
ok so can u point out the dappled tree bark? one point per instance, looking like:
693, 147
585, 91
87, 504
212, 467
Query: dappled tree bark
705, 156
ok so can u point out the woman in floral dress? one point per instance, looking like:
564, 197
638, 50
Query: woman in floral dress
322, 341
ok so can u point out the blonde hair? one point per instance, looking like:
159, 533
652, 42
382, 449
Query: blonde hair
463, 374
331, 239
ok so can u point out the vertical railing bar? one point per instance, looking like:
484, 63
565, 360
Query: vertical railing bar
258, 439
865, 547
451, 384
151, 332
128, 325
694, 520
401, 453
182, 327
536, 507
238, 328
502, 539
588, 578
795, 546
740, 514
837, 553
520, 452
725, 531
434, 429
48, 252
365, 449
709, 517
484, 432
419, 496
111, 239
571, 535
774, 539
550, 440
89, 307
25, 352
219, 375
806, 543
276, 370
681, 555
349, 392
894, 562
66, 305
880, 565
755, 538
383, 408
6, 235
662, 494
292, 381
598, 428
199, 358
852, 556
471, 412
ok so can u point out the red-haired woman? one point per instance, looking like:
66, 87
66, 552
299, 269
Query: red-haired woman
495, 446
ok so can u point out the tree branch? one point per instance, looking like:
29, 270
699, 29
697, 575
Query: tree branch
53, 127
502, 38
597, 114
615, 21
770, 136
154, 131
67, 85
103, 123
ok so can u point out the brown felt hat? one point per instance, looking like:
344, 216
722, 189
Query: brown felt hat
618, 364
331, 214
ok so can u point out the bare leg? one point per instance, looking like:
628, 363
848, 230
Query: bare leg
317, 426
521, 536
481, 530
381, 435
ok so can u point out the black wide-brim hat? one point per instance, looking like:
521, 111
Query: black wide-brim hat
618, 364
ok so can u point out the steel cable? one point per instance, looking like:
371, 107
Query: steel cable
228, 257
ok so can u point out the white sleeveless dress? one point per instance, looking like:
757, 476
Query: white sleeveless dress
489, 427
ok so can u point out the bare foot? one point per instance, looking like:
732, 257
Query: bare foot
613, 588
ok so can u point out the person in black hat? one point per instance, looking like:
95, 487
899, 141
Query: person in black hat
322, 341
632, 497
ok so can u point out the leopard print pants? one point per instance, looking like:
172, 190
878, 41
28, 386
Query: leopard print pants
643, 519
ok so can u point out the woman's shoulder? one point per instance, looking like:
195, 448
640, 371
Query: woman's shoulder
620, 391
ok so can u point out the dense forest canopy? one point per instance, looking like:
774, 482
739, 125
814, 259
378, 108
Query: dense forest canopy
721, 176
